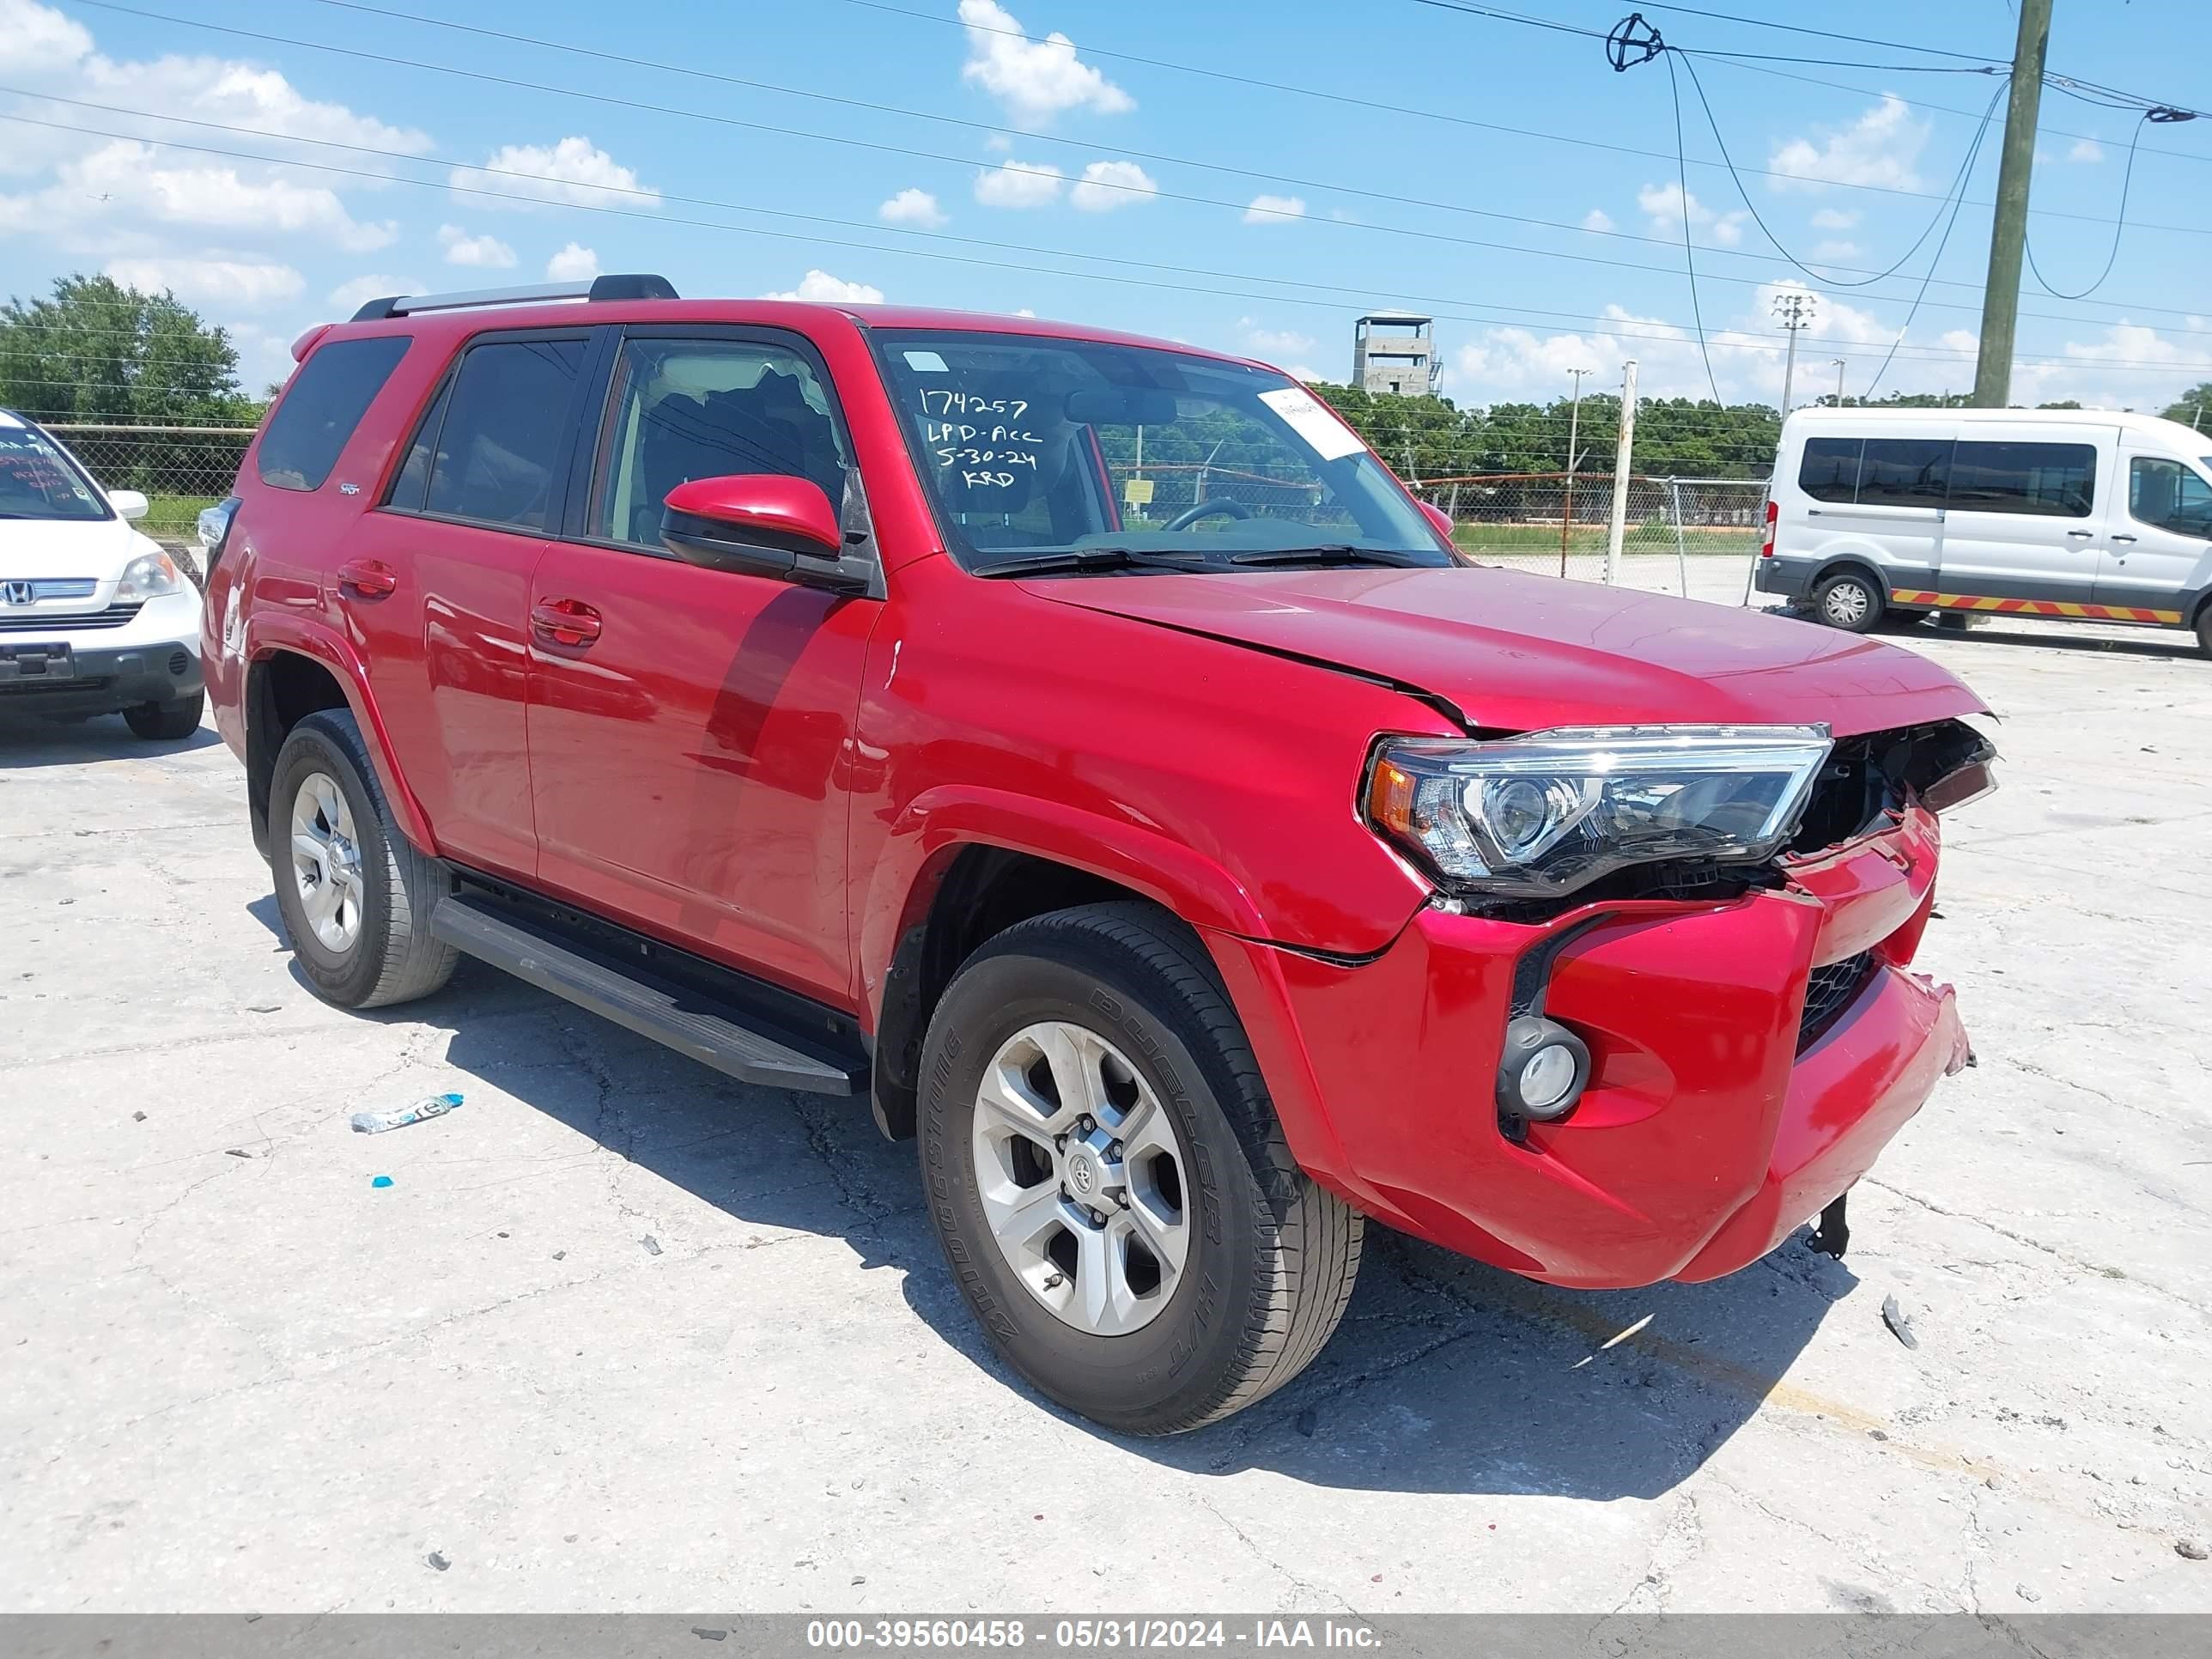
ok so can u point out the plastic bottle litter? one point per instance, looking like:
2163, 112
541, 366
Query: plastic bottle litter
375, 1123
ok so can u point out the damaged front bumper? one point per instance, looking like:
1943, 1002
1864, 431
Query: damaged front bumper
1750, 1059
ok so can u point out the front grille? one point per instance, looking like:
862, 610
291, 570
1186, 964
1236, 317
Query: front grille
43, 589
55, 622
1829, 992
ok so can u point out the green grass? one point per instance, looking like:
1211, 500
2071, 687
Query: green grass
174, 518
1527, 540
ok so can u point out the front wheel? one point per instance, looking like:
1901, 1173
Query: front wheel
165, 722
1849, 600
1108, 1180
2204, 630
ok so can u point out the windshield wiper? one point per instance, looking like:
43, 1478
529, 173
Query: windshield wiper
1341, 553
1090, 558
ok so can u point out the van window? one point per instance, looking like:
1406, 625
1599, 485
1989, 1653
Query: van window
1830, 471
1905, 472
2169, 495
321, 408
2048, 480
506, 433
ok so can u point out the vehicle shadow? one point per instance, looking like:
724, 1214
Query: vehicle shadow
1445, 1375
30, 741
2154, 643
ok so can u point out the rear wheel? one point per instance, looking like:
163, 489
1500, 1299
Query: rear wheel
2204, 630
355, 894
1110, 1182
165, 722
1849, 599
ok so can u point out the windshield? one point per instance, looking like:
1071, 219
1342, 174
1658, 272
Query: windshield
1031, 447
37, 481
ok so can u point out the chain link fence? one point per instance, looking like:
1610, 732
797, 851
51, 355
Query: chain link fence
1552, 523
1559, 525
178, 469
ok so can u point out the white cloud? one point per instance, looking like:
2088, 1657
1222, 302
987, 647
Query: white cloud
1109, 185
1024, 311
820, 288
1597, 219
1036, 80
1665, 204
573, 263
2086, 149
1835, 219
575, 173
1305, 373
1019, 185
912, 207
1880, 148
1274, 210
231, 281
122, 190
487, 252
348, 297
1284, 342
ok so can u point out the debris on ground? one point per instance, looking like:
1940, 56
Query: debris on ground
559, 1255
437, 1560
2025, 1594
652, 1245
381, 1181
1900, 1324
236, 1151
397, 1117
137, 1117
705, 1634
2188, 1549
1309, 1420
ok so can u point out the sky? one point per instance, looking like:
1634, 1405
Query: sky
1249, 178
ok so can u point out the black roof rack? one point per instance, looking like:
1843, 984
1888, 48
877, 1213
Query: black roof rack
636, 285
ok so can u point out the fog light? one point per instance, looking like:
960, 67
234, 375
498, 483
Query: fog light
1543, 1070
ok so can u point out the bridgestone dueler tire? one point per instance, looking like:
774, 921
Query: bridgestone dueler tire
1274, 1256
394, 959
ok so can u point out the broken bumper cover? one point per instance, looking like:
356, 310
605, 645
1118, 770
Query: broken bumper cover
1712, 1126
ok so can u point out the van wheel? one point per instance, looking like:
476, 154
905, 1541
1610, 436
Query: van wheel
1847, 600
1108, 1180
355, 894
2204, 630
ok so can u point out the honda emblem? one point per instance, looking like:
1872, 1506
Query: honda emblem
17, 592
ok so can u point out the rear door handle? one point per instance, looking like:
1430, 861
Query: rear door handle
564, 622
2124, 538
370, 578
2081, 535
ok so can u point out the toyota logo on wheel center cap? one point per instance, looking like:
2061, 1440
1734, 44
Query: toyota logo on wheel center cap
1082, 1175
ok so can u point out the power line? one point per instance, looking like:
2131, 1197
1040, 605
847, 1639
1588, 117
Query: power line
1689, 260
1659, 330
2112, 253
1826, 34
967, 161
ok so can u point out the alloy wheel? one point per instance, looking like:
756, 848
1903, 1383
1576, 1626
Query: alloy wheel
326, 861
1081, 1175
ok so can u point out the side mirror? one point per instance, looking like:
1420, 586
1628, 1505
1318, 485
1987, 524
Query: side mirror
128, 503
1437, 517
761, 524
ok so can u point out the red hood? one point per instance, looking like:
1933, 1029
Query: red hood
1518, 652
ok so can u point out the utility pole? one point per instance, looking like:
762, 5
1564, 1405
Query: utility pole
1567, 497
1838, 362
1622, 461
2009, 226
1794, 308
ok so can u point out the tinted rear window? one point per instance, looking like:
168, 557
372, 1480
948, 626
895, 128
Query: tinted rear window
2054, 480
1830, 471
323, 406
503, 439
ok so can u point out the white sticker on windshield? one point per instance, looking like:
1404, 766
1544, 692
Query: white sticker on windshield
925, 362
1313, 421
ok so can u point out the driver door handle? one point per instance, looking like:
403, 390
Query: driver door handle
2081, 535
2124, 538
564, 622
372, 579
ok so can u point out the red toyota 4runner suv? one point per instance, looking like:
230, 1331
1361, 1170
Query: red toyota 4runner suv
1084, 747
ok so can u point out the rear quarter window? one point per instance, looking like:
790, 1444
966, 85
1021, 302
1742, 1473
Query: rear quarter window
1830, 469
321, 408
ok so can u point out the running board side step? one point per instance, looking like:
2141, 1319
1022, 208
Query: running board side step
709, 1030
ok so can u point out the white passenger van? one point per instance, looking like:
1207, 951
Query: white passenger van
2059, 513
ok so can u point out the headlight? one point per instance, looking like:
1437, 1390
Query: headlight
1544, 814
148, 577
